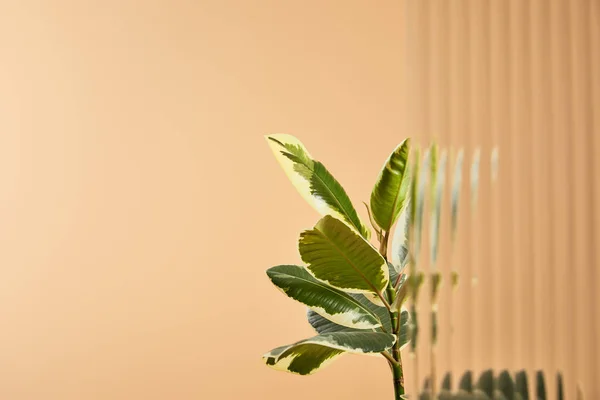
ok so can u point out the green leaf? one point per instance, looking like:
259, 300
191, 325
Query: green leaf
301, 359
325, 300
312, 180
323, 325
308, 356
392, 188
337, 255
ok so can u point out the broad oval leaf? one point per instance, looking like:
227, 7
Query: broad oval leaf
314, 182
324, 325
308, 356
323, 299
335, 254
392, 189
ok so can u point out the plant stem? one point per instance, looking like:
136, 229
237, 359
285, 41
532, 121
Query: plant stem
384, 245
398, 374
396, 362
388, 357
398, 381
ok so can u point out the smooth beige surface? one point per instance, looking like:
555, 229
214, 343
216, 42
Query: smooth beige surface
141, 206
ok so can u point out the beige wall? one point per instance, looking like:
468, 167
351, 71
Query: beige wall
140, 205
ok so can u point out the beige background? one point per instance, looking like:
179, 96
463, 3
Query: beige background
141, 206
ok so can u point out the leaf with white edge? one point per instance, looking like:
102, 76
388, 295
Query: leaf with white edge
308, 356
391, 191
314, 182
331, 303
382, 314
375, 299
322, 325
335, 254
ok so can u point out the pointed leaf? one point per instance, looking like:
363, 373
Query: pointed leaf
325, 300
337, 255
312, 180
301, 359
323, 325
392, 188
308, 356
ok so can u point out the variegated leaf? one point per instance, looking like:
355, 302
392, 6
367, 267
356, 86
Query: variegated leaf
391, 190
323, 299
323, 325
308, 356
339, 256
314, 182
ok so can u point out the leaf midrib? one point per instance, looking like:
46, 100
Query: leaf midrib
354, 301
360, 228
344, 210
349, 261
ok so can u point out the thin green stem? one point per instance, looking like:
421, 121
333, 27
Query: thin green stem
384, 301
389, 357
398, 381
396, 357
384, 245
